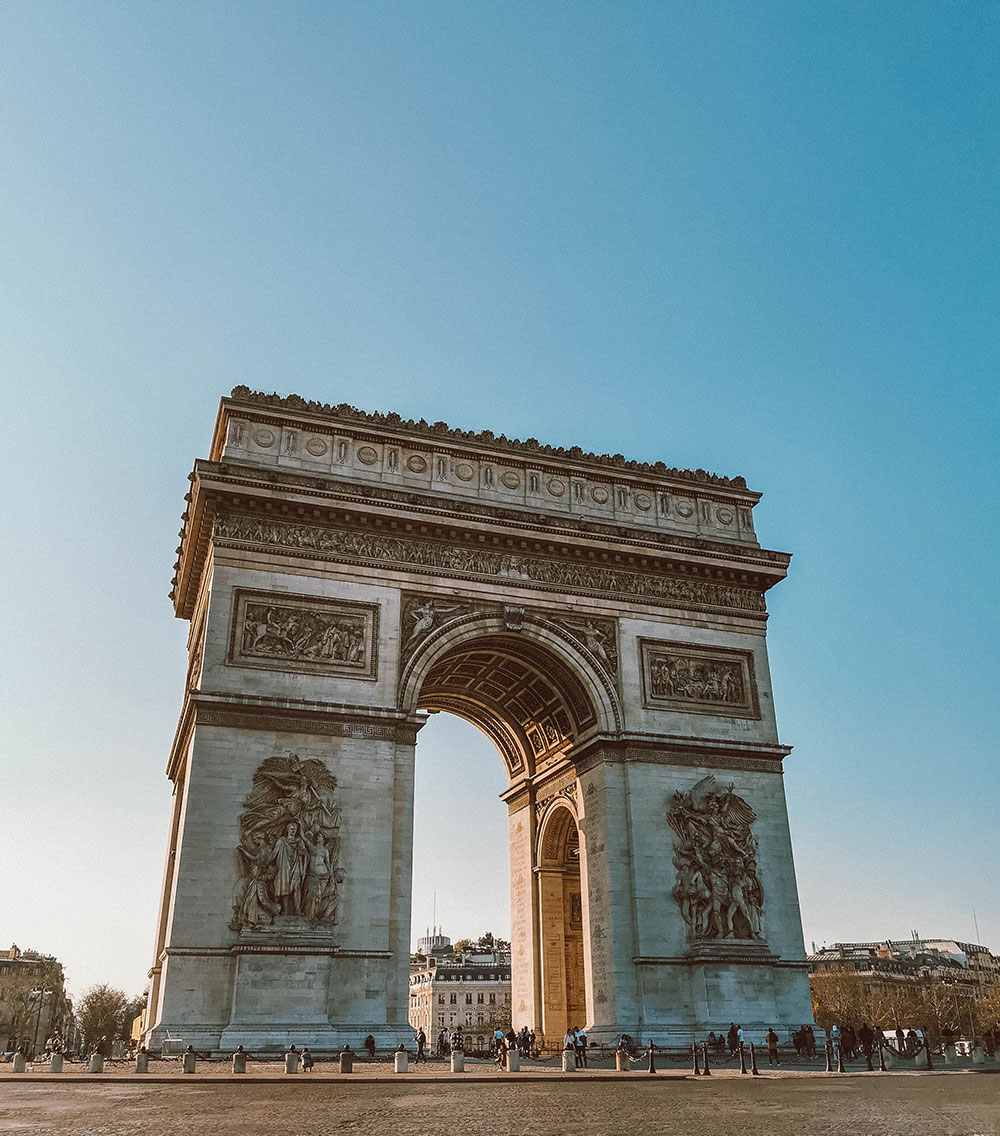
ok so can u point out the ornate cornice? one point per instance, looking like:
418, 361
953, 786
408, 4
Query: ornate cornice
351, 415
286, 715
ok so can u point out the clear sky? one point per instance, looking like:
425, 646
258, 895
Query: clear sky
758, 238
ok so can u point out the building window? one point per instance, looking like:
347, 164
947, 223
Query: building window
440, 999
480, 999
440, 1019
493, 999
468, 999
454, 999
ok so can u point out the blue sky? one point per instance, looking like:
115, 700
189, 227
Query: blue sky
754, 238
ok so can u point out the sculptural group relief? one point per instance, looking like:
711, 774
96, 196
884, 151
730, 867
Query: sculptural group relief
706, 680
304, 634
289, 846
718, 888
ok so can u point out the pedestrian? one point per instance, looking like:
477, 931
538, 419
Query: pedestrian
532, 1048
733, 1038
810, 1042
307, 1060
369, 1044
739, 1035
581, 1038
501, 1047
866, 1035
772, 1047
900, 1039
421, 1040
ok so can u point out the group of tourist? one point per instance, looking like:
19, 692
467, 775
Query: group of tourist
576, 1040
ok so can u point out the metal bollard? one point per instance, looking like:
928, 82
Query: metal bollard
18, 1065
401, 1060
621, 1061
142, 1061
707, 1069
513, 1061
652, 1067
694, 1056
840, 1057
753, 1061
97, 1063
347, 1060
457, 1061
743, 1059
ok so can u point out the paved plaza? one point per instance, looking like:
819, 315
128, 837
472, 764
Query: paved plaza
796, 1104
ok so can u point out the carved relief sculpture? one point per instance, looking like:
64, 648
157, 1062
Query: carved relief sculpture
289, 844
305, 634
599, 636
718, 888
705, 680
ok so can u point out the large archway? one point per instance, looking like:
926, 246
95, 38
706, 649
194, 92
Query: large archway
537, 697
602, 621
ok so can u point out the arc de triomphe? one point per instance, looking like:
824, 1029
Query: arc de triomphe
602, 620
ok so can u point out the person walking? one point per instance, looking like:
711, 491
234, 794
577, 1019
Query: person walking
421, 1040
369, 1044
772, 1047
581, 1040
733, 1038
307, 1060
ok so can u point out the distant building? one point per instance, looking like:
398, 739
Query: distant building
470, 989
33, 1003
968, 967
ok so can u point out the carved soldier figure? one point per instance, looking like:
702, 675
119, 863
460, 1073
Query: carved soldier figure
291, 858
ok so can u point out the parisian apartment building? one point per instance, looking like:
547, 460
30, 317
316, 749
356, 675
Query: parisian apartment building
467, 987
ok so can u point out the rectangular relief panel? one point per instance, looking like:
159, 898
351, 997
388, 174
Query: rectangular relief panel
698, 680
278, 631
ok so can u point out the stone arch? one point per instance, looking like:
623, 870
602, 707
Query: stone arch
531, 687
562, 917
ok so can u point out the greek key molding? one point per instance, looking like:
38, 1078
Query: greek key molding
237, 530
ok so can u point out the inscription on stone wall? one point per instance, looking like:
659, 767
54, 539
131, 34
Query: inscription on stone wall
702, 680
289, 846
718, 889
304, 634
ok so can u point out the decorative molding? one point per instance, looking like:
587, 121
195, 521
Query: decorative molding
439, 559
441, 430
303, 634
696, 679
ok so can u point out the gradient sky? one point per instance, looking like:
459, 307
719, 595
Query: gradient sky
758, 238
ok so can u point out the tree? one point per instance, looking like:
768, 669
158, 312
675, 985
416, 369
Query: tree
102, 1013
987, 1009
464, 945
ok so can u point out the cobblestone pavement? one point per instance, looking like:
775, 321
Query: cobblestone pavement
952, 1104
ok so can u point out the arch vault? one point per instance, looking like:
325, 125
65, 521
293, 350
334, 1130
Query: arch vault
602, 621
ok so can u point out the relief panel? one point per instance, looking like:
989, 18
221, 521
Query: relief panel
303, 634
699, 680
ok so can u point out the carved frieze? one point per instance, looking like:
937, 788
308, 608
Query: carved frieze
303, 634
327, 542
700, 680
289, 847
718, 887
